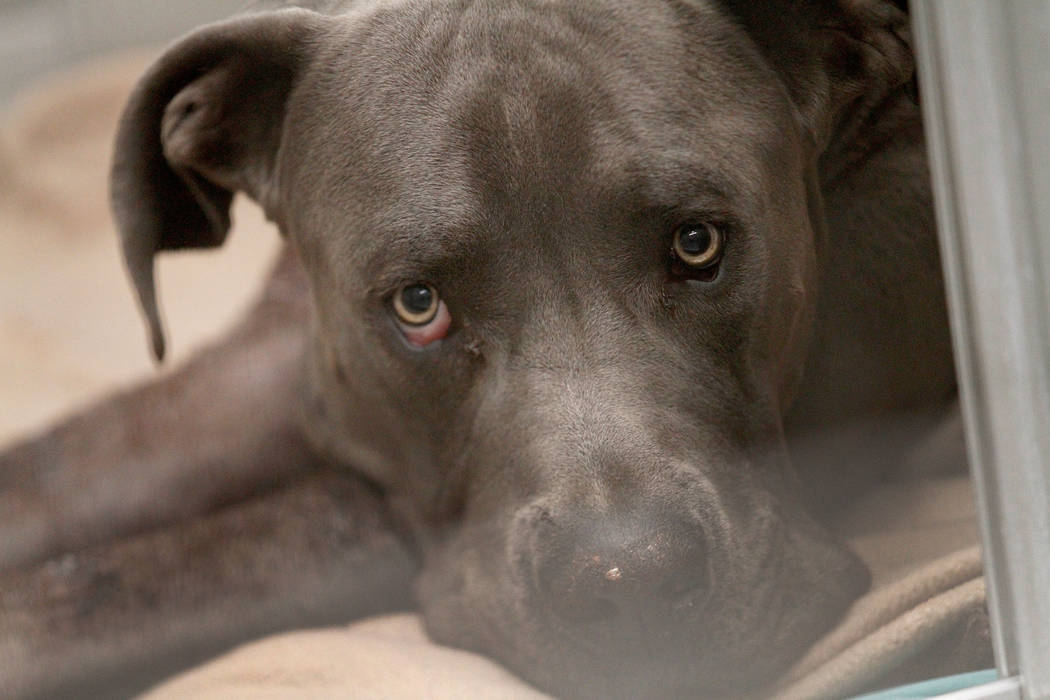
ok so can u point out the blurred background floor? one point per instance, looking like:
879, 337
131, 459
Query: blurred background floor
39, 36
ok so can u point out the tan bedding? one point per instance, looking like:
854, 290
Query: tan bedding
69, 331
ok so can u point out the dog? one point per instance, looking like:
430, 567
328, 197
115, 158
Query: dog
569, 288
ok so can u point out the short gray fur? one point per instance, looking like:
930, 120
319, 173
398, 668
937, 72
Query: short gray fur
595, 409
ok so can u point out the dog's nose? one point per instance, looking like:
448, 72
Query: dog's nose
601, 569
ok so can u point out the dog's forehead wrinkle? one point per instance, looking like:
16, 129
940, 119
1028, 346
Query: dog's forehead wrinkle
492, 51
408, 242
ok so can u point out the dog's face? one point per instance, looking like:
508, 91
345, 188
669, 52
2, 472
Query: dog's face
563, 259
583, 423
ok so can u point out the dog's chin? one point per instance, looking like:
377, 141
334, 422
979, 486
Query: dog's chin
726, 643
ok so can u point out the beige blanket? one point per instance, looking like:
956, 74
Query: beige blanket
69, 332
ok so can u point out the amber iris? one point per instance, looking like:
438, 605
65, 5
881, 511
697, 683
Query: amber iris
416, 304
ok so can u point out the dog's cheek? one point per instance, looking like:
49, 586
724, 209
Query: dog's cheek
791, 311
820, 578
463, 604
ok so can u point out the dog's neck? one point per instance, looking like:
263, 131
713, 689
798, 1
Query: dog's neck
881, 350
866, 138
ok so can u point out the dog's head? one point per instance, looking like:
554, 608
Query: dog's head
563, 259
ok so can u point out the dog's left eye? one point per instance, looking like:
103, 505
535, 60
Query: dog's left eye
423, 316
698, 246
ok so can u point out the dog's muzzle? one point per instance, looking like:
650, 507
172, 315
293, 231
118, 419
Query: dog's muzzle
586, 566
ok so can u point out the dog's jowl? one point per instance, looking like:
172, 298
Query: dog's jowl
565, 284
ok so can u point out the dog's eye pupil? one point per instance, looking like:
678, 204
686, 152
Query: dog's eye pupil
417, 298
698, 246
695, 241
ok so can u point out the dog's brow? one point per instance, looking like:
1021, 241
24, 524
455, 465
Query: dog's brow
677, 179
416, 251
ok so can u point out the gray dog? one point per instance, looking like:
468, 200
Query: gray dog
571, 288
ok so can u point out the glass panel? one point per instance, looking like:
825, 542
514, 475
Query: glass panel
984, 69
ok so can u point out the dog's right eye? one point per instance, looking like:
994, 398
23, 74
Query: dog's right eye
422, 314
416, 304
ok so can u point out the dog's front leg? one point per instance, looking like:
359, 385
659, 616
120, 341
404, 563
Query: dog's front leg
113, 619
221, 428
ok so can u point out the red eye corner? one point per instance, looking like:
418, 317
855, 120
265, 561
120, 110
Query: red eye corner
433, 330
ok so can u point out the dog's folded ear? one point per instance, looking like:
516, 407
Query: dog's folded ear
202, 124
838, 58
